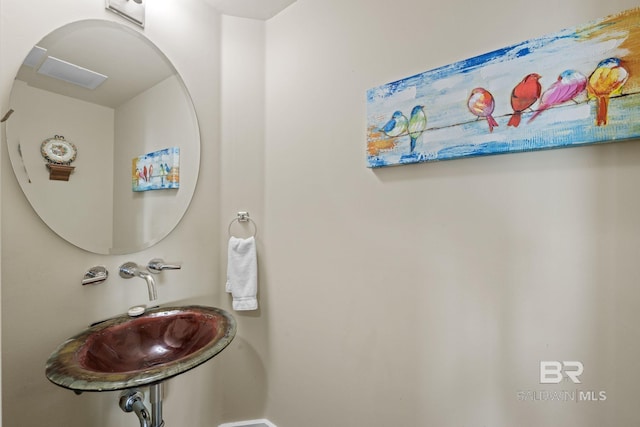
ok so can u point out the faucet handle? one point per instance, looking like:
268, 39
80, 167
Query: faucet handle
156, 265
95, 275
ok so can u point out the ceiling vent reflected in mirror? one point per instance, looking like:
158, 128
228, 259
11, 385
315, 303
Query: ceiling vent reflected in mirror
35, 57
70, 73
133, 10
62, 70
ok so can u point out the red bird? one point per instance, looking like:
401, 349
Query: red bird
523, 96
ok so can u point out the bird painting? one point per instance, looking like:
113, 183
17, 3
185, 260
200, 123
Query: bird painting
523, 96
397, 125
482, 104
417, 124
570, 83
157, 170
606, 80
577, 86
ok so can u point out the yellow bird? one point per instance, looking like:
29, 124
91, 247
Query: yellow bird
606, 80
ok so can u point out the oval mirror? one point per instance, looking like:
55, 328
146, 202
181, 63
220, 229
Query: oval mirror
103, 92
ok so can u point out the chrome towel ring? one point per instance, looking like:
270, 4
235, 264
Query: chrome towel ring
243, 217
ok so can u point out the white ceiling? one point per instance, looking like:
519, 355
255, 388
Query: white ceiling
93, 45
255, 9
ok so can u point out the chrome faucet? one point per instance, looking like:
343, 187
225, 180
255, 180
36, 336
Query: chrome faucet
131, 269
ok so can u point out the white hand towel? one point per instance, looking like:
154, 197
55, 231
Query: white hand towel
242, 273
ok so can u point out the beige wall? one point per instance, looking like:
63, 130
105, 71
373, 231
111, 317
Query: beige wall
427, 295
159, 118
41, 114
416, 295
242, 158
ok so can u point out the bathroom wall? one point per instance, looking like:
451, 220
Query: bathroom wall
42, 299
90, 127
428, 294
156, 119
242, 171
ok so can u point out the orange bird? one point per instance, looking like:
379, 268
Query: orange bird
606, 80
523, 96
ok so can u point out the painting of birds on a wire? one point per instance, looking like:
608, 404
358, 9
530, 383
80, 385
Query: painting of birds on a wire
158, 170
575, 87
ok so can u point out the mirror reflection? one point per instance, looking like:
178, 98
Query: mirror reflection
114, 97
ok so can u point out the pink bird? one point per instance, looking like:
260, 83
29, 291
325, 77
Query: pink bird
570, 84
482, 104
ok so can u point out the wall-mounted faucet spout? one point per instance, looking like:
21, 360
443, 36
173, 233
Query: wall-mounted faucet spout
131, 269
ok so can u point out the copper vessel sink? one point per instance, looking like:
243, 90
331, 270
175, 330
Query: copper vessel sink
126, 352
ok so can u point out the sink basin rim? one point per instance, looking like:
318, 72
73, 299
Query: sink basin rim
62, 367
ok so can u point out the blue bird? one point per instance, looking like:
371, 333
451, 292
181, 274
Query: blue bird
397, 125
417, 124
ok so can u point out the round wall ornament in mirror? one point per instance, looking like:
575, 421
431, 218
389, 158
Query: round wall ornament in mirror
58, 150
111, 91
59, 153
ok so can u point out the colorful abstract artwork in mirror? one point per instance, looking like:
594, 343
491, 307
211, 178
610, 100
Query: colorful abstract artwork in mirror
158, 170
